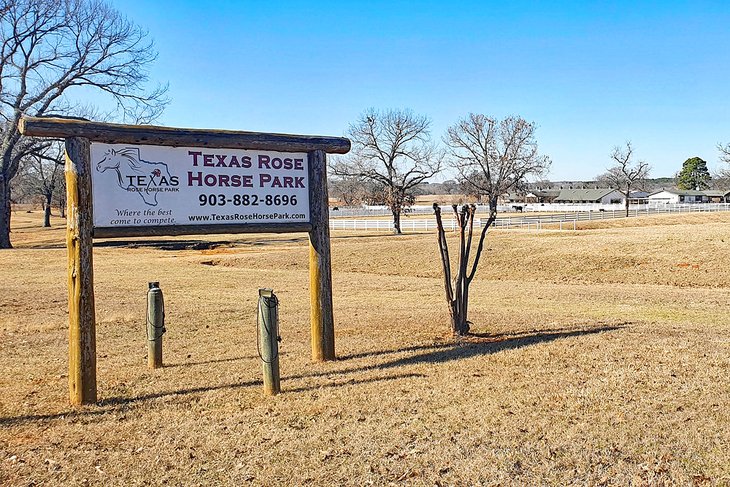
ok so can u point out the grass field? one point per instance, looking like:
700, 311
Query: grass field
600, 357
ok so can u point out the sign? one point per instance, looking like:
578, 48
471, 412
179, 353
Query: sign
145, 185
146, 180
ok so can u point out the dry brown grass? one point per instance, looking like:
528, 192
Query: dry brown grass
601, 357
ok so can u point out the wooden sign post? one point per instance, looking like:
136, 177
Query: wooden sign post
320, 268
81, 316
261, 192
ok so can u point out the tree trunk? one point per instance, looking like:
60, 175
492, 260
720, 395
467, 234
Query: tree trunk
47, 211
457, 312
5, 208
455, 317
396, 222
628, 194
464, 329
62, 201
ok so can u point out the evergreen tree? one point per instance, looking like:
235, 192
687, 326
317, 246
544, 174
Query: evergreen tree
694, 175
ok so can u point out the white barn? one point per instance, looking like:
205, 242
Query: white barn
678, 196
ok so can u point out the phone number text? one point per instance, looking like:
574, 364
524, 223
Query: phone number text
247, 200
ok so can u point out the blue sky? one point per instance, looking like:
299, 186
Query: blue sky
590, 74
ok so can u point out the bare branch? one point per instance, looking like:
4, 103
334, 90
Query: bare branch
491, 156
724, 152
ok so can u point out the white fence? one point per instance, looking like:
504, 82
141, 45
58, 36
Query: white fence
430, 224
378, 210
532, 207
565, 220
412, 225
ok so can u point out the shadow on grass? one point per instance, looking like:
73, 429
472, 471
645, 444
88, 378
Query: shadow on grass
485, 339
172, 244
195, 244
116, 404
206, 362
490, 345
350, 382
472, 346
415, 348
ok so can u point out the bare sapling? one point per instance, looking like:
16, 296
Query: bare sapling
457, 288
491, 157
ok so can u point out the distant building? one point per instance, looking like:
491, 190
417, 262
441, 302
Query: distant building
533, 196
689, 196
717, 196
638, 197
604, 196
546, 195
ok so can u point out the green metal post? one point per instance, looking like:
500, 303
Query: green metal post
155, 325
268, 340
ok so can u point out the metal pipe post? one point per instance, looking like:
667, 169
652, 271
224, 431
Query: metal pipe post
268, 340
155, 325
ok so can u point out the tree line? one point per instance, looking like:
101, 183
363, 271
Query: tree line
394, 154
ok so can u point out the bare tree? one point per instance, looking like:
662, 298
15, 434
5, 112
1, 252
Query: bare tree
721, 178
52, 50
42, 172
353, 190
450, 186
393, 148
626, 173
61, 196
491, 157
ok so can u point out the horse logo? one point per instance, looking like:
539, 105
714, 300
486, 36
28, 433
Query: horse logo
146, 178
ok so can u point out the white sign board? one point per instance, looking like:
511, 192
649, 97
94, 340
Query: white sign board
141, 185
